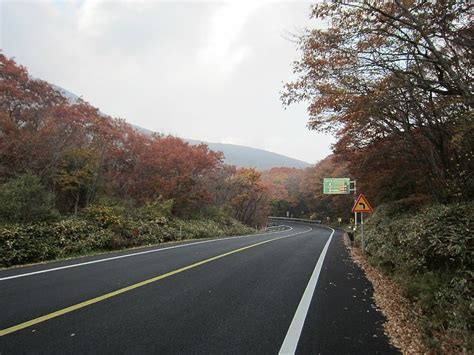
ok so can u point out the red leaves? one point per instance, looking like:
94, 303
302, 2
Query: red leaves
39, 128
392, 78
248, 196
283, 184
169, 167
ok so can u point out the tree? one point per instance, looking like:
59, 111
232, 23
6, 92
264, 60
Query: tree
25, 199
397, 70
80, 153
24, 105
249, 196
283, 185
22, 97
78, 176
319, 205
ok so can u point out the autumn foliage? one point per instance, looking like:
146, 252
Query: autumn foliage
393, 81
299, 192
84, 157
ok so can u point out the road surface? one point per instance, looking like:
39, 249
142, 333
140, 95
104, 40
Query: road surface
283, 292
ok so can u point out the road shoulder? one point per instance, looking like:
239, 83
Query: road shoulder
343, 317
401, 314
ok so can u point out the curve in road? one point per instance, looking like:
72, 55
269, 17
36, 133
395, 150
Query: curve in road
229, 295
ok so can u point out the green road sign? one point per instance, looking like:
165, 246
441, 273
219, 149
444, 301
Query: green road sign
336, 186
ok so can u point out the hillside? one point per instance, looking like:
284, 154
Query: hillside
260, 159
238, 155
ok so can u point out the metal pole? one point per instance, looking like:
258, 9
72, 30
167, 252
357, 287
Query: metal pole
355, 213
362, 230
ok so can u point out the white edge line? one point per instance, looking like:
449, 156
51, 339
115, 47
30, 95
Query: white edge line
294, 331
134, 254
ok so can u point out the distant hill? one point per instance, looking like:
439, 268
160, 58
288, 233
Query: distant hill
238, 155
243, 156
72, 98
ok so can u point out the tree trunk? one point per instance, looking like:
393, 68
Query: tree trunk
76, 204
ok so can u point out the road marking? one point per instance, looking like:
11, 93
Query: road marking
134, 286
294, 332
132, 254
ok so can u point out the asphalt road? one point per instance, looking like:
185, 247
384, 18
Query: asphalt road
283, 292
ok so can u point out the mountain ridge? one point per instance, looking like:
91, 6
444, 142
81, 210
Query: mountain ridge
245, 156
234, 154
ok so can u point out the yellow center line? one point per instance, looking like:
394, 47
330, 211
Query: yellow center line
91, 301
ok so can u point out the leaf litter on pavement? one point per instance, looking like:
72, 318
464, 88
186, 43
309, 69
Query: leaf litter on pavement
401, 314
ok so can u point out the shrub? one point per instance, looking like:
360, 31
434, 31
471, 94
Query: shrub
101, 228
157, 209
24, 199
431, 255
21, 244
104, 216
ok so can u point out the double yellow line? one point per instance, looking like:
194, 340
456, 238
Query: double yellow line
91, 301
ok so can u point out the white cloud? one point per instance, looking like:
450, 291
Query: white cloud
206, 70
222, 52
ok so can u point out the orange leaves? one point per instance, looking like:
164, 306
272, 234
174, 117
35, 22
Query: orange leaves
42, 132
20, 94
248, 196
283, 183
394, 72
172, 168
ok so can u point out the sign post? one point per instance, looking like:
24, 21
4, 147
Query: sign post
336, 186
362, 205
355, 213
340, 186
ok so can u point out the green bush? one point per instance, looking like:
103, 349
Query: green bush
21, 244
76, 236
438, 237
156, 209
24, 199
103, 215
431, 254
102, 228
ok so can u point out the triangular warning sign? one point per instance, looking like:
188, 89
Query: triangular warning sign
362, 205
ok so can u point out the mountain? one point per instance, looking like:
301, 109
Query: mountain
238, 155
243, 156
72, 98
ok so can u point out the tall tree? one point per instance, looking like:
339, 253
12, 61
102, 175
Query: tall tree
249, 196
400, 69
77, 176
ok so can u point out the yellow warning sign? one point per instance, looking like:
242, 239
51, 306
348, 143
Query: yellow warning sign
362, 205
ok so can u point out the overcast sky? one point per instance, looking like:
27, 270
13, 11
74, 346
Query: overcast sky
210, 71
